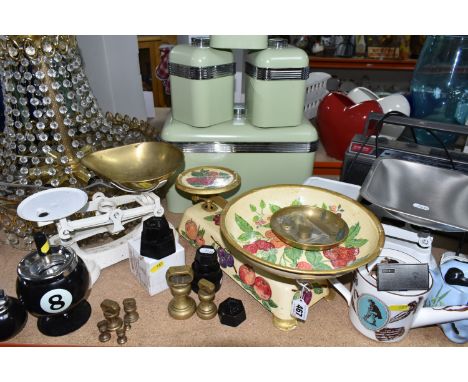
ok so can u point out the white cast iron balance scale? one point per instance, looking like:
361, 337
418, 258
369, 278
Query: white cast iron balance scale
57, 206
137, 169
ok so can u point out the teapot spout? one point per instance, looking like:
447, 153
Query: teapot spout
440, 315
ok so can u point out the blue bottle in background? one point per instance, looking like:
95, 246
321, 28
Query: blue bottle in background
439, 88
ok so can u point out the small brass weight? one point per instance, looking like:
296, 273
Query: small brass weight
111, 311
182, 306
131, 315
121, 336
104, 334
207, 309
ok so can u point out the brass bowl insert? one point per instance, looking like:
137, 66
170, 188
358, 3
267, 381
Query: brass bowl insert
309, 227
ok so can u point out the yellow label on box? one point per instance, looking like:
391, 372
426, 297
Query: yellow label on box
399, 308
157, 267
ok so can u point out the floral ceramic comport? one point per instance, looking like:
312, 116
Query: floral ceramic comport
252, 255
200, 225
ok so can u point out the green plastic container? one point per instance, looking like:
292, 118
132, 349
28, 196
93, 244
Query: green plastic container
202, 83
276, 85
261, 156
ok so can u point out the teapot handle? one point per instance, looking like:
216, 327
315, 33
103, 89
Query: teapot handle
455, 276
342, 289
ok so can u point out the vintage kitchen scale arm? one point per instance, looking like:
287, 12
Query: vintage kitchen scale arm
109, 217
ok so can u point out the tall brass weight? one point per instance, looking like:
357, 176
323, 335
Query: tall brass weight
207, 309
182, 306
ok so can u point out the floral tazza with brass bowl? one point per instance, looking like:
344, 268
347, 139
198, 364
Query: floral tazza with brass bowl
309, 227
246, 229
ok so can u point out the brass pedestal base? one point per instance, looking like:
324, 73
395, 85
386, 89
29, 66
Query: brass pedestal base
183, 311
284, 324
179, 279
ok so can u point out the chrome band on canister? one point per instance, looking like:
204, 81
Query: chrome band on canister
270, 74
202, 73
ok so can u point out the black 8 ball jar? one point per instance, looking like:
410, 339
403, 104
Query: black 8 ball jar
53, 287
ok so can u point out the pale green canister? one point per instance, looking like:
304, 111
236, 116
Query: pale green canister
202, 83
276, 85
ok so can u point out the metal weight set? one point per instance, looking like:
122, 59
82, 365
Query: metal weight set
114, 323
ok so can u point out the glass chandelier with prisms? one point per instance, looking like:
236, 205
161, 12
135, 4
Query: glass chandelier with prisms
52, 118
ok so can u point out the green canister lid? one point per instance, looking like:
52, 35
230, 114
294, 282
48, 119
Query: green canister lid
280, 55
199, 55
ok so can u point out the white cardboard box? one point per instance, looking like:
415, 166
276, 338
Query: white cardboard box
151, 273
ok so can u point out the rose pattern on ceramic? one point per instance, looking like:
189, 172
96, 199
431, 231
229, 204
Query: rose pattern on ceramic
258, 239
208, 179
193, 234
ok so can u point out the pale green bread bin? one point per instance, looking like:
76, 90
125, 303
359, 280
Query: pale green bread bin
275, 85
202, 83
261, 156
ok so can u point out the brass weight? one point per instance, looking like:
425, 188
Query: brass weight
131, 315
182, 306
111, 311
104, 334
121, 336
207, 309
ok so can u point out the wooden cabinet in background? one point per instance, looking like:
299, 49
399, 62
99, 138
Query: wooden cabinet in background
149, 56
360, 63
